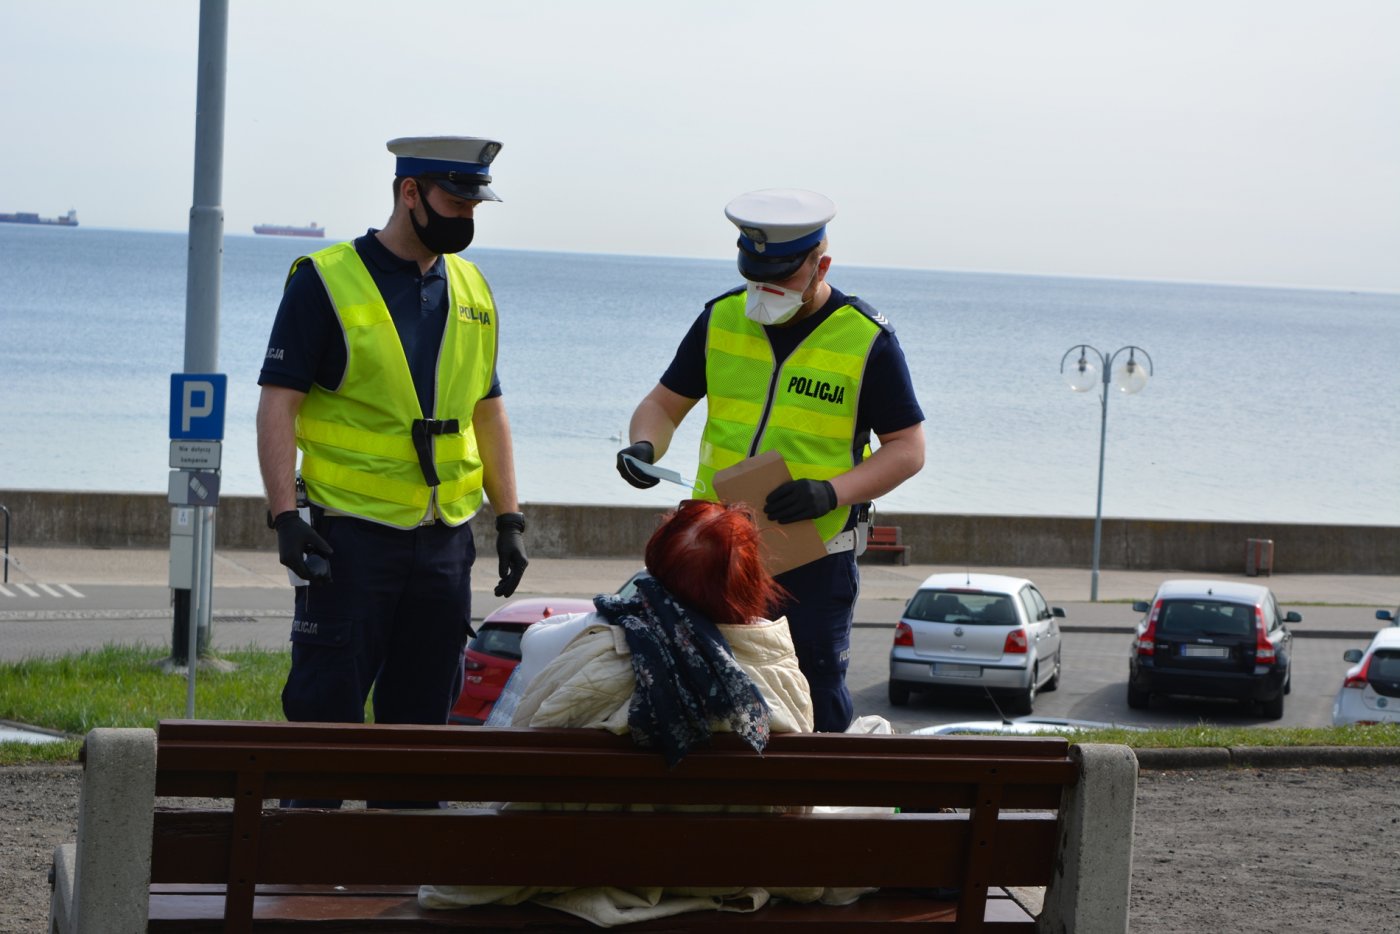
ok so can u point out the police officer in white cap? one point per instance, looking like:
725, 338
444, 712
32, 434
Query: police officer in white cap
381, 369
790, 363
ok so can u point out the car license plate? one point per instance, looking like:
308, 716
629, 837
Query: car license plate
1205, 651
951, 670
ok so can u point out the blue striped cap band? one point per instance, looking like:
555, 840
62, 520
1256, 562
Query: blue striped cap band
790, 248
408, 167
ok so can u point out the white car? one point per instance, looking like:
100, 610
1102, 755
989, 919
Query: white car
1370, 692
1022, 726
982, 631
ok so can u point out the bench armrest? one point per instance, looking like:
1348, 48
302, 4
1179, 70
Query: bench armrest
111, 864
1088, 894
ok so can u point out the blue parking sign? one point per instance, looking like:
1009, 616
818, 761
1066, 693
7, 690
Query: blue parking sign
197, 405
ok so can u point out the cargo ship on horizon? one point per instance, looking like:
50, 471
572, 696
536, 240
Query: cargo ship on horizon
286, 230
24, 217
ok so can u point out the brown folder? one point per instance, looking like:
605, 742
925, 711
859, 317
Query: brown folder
750, 481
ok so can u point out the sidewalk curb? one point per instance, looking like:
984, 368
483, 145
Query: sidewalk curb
1267, 757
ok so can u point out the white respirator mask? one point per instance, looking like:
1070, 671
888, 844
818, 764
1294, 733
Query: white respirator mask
770, 304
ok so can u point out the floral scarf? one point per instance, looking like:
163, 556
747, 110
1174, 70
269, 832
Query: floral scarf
686, 674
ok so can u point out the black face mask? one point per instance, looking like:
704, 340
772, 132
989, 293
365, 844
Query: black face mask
442, 234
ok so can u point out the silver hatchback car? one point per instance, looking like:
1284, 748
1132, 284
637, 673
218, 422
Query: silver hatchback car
977, 631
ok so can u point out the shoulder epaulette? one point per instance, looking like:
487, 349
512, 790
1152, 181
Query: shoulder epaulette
291, 272
860, 306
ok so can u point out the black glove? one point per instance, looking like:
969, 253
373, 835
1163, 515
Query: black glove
295, 538
510, 546
642, 451
800, 499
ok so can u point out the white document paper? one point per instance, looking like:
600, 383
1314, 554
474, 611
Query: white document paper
662, 473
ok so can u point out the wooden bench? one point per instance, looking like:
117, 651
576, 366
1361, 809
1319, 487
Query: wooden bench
1031, 812
887, 538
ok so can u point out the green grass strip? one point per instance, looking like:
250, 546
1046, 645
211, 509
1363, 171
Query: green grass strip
123, 686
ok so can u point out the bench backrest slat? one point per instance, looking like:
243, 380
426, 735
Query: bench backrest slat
465, 765
412, 736
561, 848
568, 784
883, 535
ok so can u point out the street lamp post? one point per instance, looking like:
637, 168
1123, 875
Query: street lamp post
1083, 376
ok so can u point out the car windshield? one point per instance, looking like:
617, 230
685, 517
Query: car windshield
968, 607
500, 641
1206, 617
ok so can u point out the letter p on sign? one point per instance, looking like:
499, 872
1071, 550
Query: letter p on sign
201, 390
197, 406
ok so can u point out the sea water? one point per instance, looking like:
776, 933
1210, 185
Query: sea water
1264, 404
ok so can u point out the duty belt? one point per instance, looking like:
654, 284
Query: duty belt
423, 431
849, 540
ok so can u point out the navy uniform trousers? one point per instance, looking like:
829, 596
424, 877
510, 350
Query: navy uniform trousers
819, 614
393, 621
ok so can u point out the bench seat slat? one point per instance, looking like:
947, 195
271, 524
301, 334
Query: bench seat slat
905, 850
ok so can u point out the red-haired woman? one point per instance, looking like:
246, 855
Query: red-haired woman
692, 651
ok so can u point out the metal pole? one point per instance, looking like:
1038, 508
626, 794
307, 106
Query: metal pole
196, 612
6, 511
206, 581
206, 242
1098, 507
204, 276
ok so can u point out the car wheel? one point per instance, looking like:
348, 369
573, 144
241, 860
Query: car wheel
1024, 702
1138, 699
1272, 709
899, 694
1054, 681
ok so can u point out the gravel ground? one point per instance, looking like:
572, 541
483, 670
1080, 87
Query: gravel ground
1241, 850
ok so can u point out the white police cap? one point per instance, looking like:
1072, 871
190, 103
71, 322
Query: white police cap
460, 165
777, 229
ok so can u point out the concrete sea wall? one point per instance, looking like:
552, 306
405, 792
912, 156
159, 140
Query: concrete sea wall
142, 520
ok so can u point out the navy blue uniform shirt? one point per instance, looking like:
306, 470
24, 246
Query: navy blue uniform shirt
308, 346
887, 402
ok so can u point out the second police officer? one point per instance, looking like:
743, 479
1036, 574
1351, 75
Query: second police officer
789, 363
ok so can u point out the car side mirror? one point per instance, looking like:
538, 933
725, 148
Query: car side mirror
1141, 606
1352, 655
1292, 617
1385, 615
1057, 611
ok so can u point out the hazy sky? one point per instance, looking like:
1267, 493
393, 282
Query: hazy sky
1216, 141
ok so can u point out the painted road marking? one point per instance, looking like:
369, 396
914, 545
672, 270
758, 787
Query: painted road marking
53, 590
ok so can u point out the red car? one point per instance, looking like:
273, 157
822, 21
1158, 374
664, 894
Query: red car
492, 655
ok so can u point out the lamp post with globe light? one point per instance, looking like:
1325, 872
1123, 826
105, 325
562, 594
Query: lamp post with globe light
1128, 378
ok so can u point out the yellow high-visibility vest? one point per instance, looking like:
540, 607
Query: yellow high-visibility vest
805, 409
358, 455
